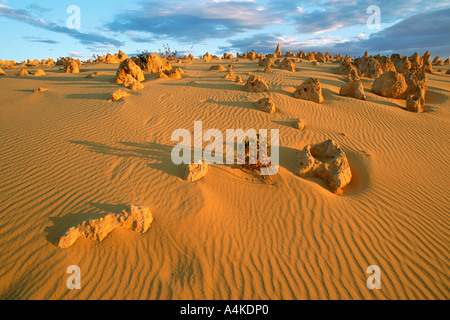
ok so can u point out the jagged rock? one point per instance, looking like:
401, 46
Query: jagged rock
415, 103
346, 68
417, 81
310, 89
152, 63
136, 218
287, 64
256, 84
2, 73
217, 67
95, 75
23, 72
426, 62
368, 67
32, 63
111, 59
230, 74
40, 89
266, 105
128, 72
72, 67
39, 72
207, 56
266, 62
390, 84
278, 51
196, 171
122, 56
299, 124
447, 61
268, 69
385, 63
238, 79
135, 86
415, 60
172, 74
402, 64
333, 166
119, 94
227, 56
354, 89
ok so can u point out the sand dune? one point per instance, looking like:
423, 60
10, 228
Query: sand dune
69, 155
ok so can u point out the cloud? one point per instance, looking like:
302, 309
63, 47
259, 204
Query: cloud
336, 14
194, 21
84, 38
420, 32
39, 39
38, 8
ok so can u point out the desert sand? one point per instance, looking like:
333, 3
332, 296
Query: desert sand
69, 155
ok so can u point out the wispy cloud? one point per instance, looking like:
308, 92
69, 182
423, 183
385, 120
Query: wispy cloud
420, 32
194, 21
84, 38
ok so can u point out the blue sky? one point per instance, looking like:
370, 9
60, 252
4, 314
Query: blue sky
38, 29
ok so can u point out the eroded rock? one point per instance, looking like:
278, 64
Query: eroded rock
310, 89
136, 218
195, 171
333, 166
354, 89
390, 84
266, 105
129, 72
256, 84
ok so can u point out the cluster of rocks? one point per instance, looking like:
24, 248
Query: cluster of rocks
136, 218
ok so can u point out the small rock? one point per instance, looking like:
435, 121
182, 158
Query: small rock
266, 105
299, 124
195, 171
119, 94
415, 103
40, 89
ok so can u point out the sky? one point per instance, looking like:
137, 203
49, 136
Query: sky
43, 29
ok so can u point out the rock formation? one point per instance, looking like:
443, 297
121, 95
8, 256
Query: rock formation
310, 89
128, 72
416, 81
415, 103
72, 67
172, 74
256, 84
238, 79
39, 72
390, 84
40, 89
2, 73
346, 68
95, 75
402, 64
354, 89
266, 105
368, 67
266, 62
278, 51
23, 72
217, 67
136, 218
385, 63
333, 166
119, 94
195, 171
299, 124
287, 64
230, 74
152, 63
415, 60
